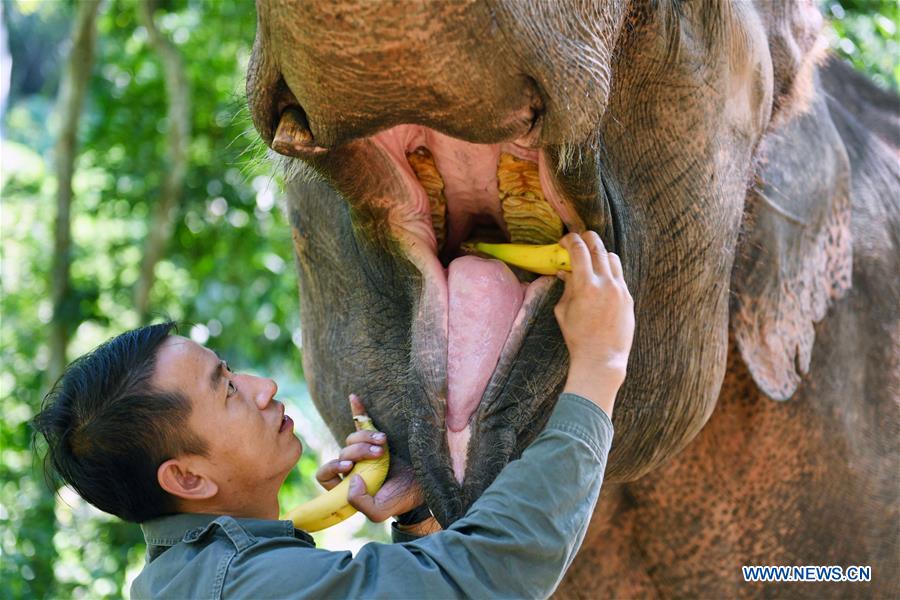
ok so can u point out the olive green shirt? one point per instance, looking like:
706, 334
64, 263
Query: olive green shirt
516, 540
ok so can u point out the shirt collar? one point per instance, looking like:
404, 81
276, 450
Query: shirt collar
171, 529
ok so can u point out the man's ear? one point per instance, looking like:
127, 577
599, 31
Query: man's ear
181, 477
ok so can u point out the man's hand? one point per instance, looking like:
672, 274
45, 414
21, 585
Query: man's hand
596, 317
400, 492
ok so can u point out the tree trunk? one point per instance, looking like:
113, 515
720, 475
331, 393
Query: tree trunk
70, 102
178, 138
39, 519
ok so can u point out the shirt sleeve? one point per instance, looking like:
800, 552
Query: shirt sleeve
517, 540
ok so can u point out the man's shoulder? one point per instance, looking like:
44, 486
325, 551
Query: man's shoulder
186, 569
206, 556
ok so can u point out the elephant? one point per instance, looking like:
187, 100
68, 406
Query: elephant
748, 181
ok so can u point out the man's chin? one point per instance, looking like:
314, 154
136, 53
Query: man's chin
296, 451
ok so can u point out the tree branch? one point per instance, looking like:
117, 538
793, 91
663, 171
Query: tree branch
178, 139
70, 102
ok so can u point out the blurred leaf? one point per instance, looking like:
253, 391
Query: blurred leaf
227, 271
865, 33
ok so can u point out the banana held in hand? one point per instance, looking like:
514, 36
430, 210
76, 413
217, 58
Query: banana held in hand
546, 260
332, 507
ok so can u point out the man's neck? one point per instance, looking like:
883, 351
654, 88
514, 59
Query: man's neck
258, 509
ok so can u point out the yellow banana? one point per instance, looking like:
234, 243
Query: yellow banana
331, 507
546, 260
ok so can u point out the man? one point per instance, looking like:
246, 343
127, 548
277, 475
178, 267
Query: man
156, 429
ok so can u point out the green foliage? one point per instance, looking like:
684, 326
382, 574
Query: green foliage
227, 273
866, 33
26, 505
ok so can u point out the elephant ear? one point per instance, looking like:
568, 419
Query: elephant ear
794, 256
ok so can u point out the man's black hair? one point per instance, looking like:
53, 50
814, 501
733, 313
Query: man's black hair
108, 429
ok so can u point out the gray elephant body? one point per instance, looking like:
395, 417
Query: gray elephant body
809, 481
752, 196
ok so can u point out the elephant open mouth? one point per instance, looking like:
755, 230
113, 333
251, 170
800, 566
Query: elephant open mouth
451, 192
476, 326
494, 192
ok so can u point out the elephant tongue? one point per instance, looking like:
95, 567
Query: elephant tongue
484, 298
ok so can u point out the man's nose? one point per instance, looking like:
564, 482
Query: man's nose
263, 390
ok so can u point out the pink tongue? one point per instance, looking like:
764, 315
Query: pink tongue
485, 297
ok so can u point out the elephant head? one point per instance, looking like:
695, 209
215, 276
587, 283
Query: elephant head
412, 127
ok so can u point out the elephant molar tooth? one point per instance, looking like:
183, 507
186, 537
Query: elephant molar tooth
529, 217
422, 163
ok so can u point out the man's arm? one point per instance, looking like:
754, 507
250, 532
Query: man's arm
516, 540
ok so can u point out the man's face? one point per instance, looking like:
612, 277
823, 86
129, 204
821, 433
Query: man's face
251, 445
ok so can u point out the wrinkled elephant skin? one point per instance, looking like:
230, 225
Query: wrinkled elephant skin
751, 190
